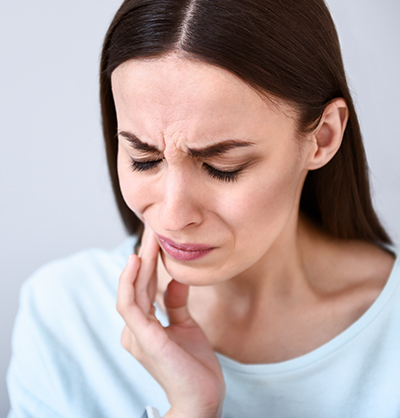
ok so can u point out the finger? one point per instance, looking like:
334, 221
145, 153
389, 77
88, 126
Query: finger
142, 328
146, 283
175, 300
132, 314
144, 239
126, 290
154, 249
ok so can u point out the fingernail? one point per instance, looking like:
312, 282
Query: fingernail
129, 259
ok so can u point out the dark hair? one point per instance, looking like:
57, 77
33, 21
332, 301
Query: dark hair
288, 49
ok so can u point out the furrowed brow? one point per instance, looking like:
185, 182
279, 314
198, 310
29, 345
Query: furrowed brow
218, 149
207, 152
137, 143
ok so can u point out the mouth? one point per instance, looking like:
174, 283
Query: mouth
184, 252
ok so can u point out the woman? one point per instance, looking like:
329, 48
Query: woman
231, 134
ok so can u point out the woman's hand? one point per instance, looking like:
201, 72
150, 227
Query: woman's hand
179, 356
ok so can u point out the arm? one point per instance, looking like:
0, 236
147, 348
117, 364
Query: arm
179, 357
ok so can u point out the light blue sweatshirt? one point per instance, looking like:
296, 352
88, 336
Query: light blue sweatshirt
67, 359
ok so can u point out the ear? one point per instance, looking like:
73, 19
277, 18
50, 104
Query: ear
329, 133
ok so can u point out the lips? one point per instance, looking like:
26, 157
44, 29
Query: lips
184, 252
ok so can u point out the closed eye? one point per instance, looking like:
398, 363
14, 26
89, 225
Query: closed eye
144, 165
227, 176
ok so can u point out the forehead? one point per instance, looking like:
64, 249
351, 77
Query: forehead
172, 96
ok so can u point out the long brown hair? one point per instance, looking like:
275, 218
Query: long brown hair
285, 48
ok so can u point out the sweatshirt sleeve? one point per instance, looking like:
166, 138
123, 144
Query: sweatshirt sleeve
33, 380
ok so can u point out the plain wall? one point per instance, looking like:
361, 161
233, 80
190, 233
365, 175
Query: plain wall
55, 193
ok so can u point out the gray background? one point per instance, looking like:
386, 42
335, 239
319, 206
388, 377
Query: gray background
55, 196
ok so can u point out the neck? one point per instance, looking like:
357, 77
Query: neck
307, 289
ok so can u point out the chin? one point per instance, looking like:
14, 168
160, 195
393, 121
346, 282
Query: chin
193, 274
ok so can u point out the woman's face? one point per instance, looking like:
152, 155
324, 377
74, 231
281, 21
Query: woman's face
209, 164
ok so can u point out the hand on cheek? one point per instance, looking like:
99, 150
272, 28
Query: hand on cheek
179, 356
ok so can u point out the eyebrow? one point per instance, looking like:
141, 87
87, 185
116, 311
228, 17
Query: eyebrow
206, 152
137, 144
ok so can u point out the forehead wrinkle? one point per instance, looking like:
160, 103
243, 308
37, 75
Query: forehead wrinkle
176, 146
179, 132
182, 105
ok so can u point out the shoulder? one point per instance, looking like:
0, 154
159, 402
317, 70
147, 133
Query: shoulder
72, 277
71, 299
66, 305
365, 264
359, 274
349, 274
67, 298
67, 359
72, 290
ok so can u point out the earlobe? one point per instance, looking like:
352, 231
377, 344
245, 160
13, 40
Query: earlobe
329, 133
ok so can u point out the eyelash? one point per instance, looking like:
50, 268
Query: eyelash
144, 166
226, 176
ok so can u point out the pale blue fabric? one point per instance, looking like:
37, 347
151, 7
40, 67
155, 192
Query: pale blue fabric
68, 363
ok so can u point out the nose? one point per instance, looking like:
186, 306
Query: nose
180, 203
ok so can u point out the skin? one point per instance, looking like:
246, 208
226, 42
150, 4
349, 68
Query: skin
274, 286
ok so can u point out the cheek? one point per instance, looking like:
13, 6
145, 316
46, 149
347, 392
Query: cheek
263, 206
134, 190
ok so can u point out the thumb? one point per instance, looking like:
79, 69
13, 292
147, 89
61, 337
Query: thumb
175, 300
